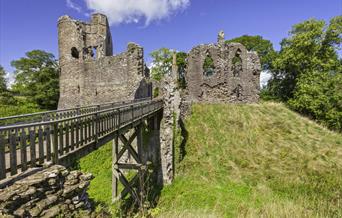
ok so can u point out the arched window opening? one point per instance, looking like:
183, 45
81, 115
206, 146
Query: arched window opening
208, 66
237, 64
94, 53
78, 89
75, 53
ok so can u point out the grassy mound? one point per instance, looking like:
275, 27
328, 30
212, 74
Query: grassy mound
245, 161
255, 160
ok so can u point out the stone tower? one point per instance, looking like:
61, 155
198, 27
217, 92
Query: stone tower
89, 72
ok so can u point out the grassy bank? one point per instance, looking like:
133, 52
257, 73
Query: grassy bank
255, 160
245, 161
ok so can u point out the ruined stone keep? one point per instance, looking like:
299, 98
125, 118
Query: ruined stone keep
222, 73
89, 73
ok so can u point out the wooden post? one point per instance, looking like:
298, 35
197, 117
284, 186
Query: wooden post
141, 171
115, 149
2, 158
97, 125
55, 143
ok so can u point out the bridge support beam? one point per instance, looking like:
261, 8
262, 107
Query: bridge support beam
131, 172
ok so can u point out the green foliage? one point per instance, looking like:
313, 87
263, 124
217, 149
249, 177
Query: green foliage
259, 160
162, 63
37, 78
208, 66
262, 46
319, 95
306, 73
155, 92
3, 85
311, 47
181, 64
12, 110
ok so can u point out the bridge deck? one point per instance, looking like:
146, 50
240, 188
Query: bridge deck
63, 135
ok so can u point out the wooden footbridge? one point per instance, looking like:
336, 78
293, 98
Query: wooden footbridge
58, 137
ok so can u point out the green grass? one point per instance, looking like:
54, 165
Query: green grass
244, 161
255, 160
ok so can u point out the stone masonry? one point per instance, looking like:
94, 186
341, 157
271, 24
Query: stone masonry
89, 73
232, 75
52, 192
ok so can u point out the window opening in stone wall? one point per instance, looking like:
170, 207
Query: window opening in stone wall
238, 91
78, 89
94, 53
75, 53
208, 66
237, 64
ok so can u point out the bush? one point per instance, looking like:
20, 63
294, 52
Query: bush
319, 96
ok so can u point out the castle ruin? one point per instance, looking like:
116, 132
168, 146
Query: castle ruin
89, 73
222, 72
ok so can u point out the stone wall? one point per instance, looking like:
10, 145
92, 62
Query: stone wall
233, 75
47, 193
89, 73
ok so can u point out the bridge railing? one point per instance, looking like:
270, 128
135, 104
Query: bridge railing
61, 114
30, 144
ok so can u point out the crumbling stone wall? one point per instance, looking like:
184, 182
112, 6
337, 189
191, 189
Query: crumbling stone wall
89, 72
233, 77
51, 192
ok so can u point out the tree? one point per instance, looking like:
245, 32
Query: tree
37, 78
162, 63
181, 64
262, 46
310, 47
3, 86
319, 95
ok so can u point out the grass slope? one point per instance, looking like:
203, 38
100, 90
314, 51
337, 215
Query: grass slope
245, 161
255, 160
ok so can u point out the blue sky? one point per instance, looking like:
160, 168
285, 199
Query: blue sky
178, 24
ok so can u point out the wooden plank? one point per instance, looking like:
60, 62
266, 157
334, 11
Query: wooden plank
89, 128
81, 133
33, 147
72, 130
41, 145
85, 131
127, 144
55, 143
23, 153
2, 157
77, 130
67, 141
13, 153
115, 149
48, 143
61, 138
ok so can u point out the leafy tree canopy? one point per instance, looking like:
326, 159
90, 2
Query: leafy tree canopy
162, 63
311, 46
36, 77
3, 86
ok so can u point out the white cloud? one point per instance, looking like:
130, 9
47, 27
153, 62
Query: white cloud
132, 11
9, 79
73, 5
265, 76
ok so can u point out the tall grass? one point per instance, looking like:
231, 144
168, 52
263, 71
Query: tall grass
256, 160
